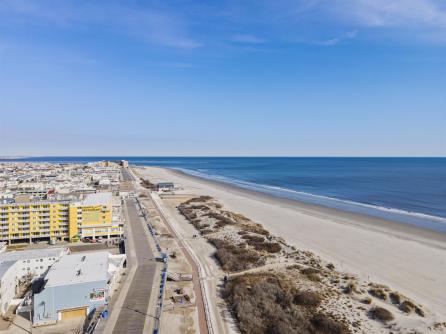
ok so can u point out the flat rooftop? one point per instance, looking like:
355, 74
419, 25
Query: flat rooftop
78, 268
98, 199
31, 254
4, 267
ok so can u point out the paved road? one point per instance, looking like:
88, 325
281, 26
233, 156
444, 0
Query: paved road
133, 313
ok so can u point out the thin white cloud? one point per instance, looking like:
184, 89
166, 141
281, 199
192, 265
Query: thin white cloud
339, 39
409, 20
302, 21
195, 25
154, 25
158, 27
392, 13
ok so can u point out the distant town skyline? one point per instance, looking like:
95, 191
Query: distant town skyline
228, 78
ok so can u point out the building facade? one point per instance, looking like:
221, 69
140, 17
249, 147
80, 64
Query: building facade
58, 220
76, 285
165, 186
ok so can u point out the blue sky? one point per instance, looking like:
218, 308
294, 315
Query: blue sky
305, 78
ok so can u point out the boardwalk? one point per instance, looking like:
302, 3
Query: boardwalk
133, 312
126, 176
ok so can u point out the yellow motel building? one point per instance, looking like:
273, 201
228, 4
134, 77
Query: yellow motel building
59, 220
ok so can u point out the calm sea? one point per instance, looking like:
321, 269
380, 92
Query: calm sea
408, 190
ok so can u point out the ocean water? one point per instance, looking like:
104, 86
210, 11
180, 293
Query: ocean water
407, 190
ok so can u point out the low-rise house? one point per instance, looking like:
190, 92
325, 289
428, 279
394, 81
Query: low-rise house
165, 186
76, 285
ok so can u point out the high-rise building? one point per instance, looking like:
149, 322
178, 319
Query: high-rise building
59, 220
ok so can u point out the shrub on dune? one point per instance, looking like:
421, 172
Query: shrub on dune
307, 298
378, 293
381, 314
326, 325
395, 297
264, 303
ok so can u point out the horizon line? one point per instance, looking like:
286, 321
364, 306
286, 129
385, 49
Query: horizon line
214, 156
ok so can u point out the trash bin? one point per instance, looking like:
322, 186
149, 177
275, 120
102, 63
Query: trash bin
104, 314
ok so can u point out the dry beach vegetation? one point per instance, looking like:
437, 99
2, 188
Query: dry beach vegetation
275, 288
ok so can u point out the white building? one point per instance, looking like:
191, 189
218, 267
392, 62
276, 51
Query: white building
165, 186
75, 285
20, 266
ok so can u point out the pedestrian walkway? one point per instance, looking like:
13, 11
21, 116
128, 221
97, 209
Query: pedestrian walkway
133, 313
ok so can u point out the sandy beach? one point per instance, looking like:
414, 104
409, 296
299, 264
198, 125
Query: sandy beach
409, 260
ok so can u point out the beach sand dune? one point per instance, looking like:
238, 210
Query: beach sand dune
408, 259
